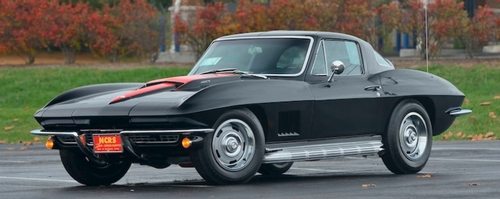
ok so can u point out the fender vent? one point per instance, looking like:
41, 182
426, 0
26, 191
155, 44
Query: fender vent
289, 123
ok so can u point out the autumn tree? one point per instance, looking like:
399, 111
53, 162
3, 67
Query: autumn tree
208, 24
322, 14
23, 27
130, 29
482, 29
251, 16
286, 15
413, 21
390, 16
69, 28
101, 38
357, 17
448, 21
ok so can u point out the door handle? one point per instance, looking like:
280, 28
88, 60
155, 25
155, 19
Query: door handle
373, 88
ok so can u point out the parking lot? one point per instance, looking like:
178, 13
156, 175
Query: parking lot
455, 170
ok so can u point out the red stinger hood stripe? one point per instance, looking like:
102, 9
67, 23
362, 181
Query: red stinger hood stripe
141, 91
161, 84
179, 80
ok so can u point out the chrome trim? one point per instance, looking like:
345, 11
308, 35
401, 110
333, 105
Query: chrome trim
321, 46
47, 133
233, 145
269, 37
459, 112
154, 142
100, 130
169, 131
370, 146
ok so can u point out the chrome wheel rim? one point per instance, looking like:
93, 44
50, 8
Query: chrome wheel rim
233, 145
413, 136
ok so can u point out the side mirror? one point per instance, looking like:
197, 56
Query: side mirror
337, 68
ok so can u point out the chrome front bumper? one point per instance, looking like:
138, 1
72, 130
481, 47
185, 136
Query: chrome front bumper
41, 132
458, 111
197, 136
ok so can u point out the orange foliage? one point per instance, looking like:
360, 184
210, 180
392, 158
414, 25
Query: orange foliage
23, 27
484, 25
210, 22
68, 27
358, 19
251, 16
448, 20
129, 30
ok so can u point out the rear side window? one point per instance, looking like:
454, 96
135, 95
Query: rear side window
346, 51
381, 61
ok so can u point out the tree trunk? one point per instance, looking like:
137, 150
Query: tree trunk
69, 54
114, 57
29, 58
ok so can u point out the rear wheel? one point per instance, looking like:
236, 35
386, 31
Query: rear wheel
275, 169
234, 152
408, 142
88, 173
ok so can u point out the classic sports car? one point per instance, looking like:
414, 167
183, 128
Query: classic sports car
255, 102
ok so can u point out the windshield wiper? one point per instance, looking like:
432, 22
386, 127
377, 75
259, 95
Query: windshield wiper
219, 70
235, 71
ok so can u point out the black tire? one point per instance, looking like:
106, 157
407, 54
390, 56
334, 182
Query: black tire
275, 169
213, 169
87, 173
408, 119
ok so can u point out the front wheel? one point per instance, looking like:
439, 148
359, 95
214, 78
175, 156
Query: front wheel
408, 141
234, 151
90, 174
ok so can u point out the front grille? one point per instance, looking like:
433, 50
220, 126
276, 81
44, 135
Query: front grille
134, 138
153, 138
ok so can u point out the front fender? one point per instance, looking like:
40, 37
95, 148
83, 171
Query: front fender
246, 92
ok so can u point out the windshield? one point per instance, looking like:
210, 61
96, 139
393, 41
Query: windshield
279, 56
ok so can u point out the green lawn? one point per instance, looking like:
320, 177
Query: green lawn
25, 89
481, 86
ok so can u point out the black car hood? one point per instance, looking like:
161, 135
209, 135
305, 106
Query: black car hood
137, 102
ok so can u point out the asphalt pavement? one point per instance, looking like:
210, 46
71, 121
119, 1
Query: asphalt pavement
455, 170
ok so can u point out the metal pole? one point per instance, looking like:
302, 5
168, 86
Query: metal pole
175, 45
426, 34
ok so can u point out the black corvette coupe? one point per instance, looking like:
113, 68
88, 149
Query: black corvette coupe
255, 102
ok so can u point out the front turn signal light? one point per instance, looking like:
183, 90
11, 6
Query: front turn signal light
50, 143
186, 142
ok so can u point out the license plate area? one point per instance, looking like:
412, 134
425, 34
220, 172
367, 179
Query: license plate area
107, 143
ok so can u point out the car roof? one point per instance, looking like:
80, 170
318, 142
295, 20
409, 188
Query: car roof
366, 48
319, 34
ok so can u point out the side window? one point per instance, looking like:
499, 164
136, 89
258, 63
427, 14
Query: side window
346, 51
319, 66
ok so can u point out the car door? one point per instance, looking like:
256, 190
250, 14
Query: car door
348, 105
